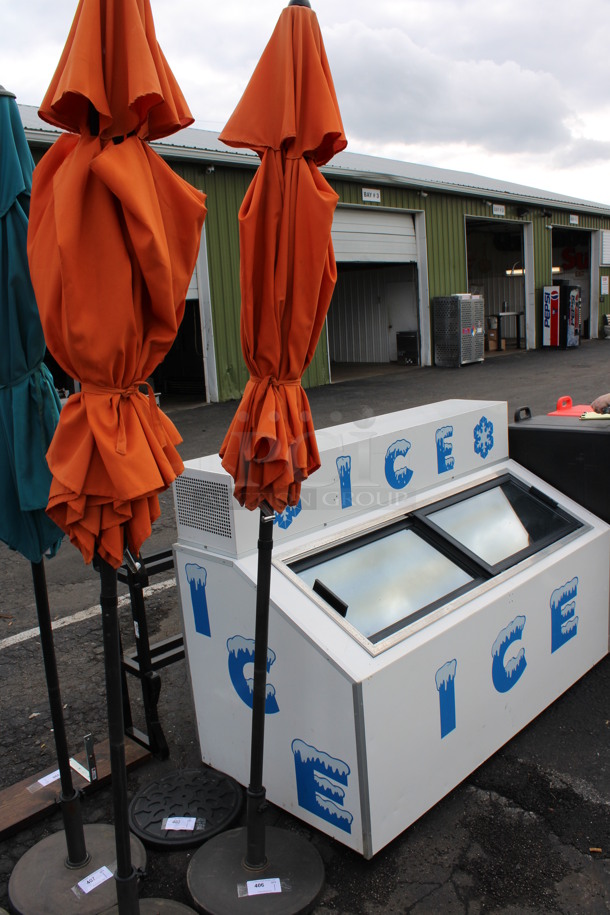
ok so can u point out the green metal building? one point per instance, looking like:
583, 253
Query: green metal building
403, 235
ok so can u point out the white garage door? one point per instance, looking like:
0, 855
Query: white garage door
373, 236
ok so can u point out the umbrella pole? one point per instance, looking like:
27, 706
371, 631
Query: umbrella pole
69, 798
126, 876
89, 848
255, 795
255, 861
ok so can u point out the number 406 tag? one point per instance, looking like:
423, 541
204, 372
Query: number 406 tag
258, 887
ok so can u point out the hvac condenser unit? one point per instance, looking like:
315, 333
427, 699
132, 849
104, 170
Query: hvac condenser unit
459, 329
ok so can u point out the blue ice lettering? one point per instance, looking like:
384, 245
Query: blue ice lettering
445, 684
197, 577
444, 449
344, 467
317, 775
564, 623
506, 674
241, 652
398, 476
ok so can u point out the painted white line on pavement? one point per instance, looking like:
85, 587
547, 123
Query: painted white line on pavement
81, 615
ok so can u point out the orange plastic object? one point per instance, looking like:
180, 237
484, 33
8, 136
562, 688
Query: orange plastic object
565, 407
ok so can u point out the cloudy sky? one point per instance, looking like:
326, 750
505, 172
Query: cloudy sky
512, 89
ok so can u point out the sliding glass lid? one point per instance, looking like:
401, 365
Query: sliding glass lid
386, 579
501, 523
383, 582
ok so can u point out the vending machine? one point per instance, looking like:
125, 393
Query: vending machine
561, 316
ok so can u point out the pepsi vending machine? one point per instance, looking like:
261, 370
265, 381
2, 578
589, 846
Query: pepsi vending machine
561, 315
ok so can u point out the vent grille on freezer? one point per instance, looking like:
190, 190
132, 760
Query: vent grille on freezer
204, 505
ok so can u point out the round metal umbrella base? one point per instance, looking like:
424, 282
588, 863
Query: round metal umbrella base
42, 883
291, 882
157, 907
209, 798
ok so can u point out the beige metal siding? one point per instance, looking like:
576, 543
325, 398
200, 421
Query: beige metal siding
357, 319
368, 308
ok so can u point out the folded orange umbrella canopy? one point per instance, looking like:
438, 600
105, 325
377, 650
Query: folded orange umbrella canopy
289, 115
113, 240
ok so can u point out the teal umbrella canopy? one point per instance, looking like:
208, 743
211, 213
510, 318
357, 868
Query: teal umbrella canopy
29, 403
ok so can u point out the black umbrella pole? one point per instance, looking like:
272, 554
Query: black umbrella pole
69, 797
126, 876
255, 795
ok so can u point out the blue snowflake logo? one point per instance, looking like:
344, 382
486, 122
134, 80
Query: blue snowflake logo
483, 437
285, 518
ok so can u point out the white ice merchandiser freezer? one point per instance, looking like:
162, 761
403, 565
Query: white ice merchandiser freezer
429, 598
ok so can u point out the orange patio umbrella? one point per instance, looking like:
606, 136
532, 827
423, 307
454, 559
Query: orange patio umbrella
289, 115
113, 240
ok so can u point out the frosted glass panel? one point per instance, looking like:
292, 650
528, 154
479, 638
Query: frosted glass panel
485, 524
502, 522
388, 580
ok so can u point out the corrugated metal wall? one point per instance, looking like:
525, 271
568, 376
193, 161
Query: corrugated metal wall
226, 188
368, 308
445, 216
358, 320
446, 239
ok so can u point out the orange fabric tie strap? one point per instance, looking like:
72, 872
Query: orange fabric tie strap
271, 382
124, 393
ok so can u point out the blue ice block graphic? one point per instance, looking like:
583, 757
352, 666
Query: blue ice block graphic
564, 623
317, 775
197, 577
344, 466
445, 684
444, 449
241, 653
505, 676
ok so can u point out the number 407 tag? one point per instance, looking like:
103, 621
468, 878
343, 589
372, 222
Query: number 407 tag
258, 887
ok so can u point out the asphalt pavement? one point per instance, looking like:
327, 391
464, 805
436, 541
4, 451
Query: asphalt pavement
527, 832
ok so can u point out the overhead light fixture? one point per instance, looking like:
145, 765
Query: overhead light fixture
556, 270
423, 193
515, 271
522, 211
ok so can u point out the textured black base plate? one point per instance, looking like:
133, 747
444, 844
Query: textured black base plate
217, 877
41, 882
214, 800
158, 907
